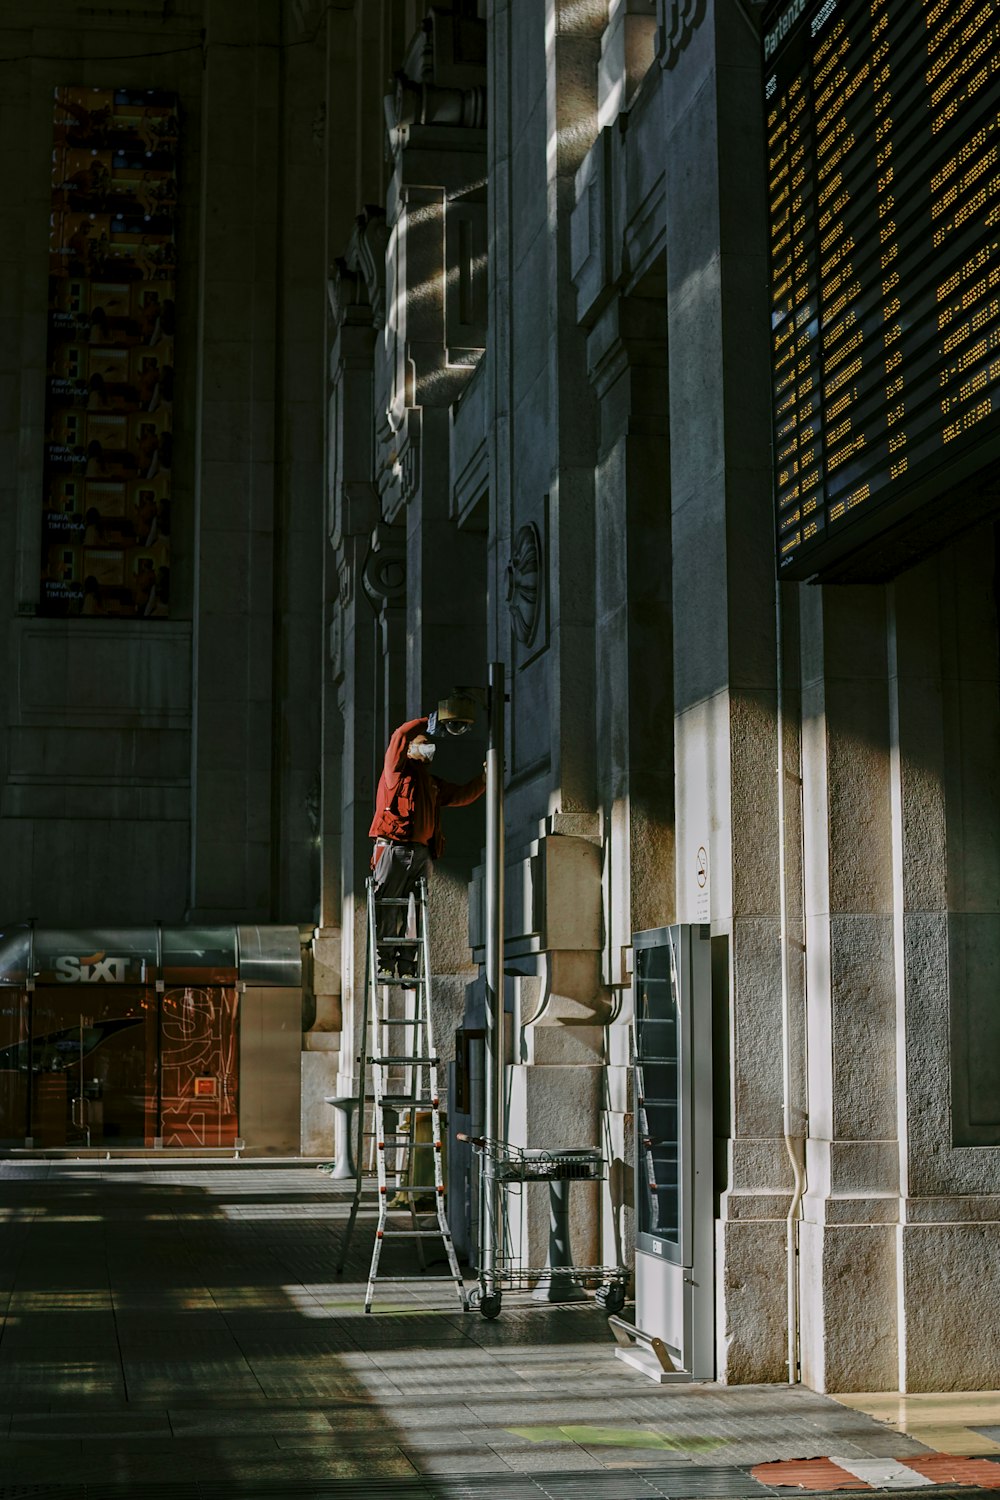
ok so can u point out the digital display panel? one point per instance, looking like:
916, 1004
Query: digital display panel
883, 166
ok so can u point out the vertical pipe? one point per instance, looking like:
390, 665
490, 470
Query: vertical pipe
29, 1103
158, 998
492, 1244
794, 1144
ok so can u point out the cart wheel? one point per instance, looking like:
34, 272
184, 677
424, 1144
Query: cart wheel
489, 1305
611, 1297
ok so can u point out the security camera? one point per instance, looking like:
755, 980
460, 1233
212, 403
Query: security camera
455, 715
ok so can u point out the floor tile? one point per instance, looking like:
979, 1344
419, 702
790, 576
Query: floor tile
209, 1336
945, 1422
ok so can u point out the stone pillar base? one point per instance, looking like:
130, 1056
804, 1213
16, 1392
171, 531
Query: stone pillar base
319, 1078
554, 1107
949, 1277
751, 1314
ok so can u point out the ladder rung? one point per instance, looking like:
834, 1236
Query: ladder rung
374, 1211
387, 1102
381, 901
400, 1023
391, 1232
455, 1280
394, 1100
404, 1057
413, 983
400, 942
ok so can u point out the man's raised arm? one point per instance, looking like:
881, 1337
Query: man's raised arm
395, 755
453, 794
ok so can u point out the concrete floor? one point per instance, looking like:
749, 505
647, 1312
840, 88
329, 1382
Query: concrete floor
179, 1330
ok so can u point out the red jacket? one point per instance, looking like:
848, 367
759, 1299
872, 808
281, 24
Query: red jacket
409, 798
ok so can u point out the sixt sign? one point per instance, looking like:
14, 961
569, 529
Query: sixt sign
100, 968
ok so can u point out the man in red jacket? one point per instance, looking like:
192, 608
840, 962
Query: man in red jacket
407, 829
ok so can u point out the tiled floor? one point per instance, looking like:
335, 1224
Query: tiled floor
180, 1326
965, 1422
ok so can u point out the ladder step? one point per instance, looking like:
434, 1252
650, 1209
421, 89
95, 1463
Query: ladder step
393, 1101
393, 1135
400, 942
373, 1211
381, 901
404, 1057
413, 983
400, 1023
455, 1280
370, 1099
391, 1232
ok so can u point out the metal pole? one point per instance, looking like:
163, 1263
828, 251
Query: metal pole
793, 1128
492, 1245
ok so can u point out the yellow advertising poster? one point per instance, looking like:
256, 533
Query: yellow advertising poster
110, 393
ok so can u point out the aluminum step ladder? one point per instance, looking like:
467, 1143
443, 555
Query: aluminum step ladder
402, 1065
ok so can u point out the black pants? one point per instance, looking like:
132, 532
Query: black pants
397, 868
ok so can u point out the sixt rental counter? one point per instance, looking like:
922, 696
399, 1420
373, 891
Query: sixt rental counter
150, 1038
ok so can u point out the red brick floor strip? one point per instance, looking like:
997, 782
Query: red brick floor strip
808, 1474
942, 1468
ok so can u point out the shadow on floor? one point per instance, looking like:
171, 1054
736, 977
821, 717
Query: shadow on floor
181, 1327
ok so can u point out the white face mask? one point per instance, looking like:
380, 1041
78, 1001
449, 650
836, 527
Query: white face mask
422, 752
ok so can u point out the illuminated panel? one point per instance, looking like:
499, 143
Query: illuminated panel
883, 180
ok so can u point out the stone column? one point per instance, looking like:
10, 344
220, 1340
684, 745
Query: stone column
944, 678
573, 32
236, 496
434, 337
353, 662
627, 353
847, 1237
557, 1079
299, 510
724, 637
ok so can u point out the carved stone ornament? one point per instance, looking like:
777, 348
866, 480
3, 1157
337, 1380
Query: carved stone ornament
384, 572
372, 240
345, 580
679, 20
524, 583
335, 646
426, 104
313, 803
343, 289
359, 274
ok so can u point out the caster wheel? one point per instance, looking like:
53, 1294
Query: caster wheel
489, 1305
611, 1298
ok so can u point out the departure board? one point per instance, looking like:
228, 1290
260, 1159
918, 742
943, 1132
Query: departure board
883, 156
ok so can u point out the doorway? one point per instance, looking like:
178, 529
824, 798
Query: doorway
119, 1067
91, 1071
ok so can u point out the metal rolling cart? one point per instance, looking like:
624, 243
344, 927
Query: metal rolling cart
505, 1169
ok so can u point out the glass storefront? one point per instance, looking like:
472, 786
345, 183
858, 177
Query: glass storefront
119, 1066
199, 1047
130, 1037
